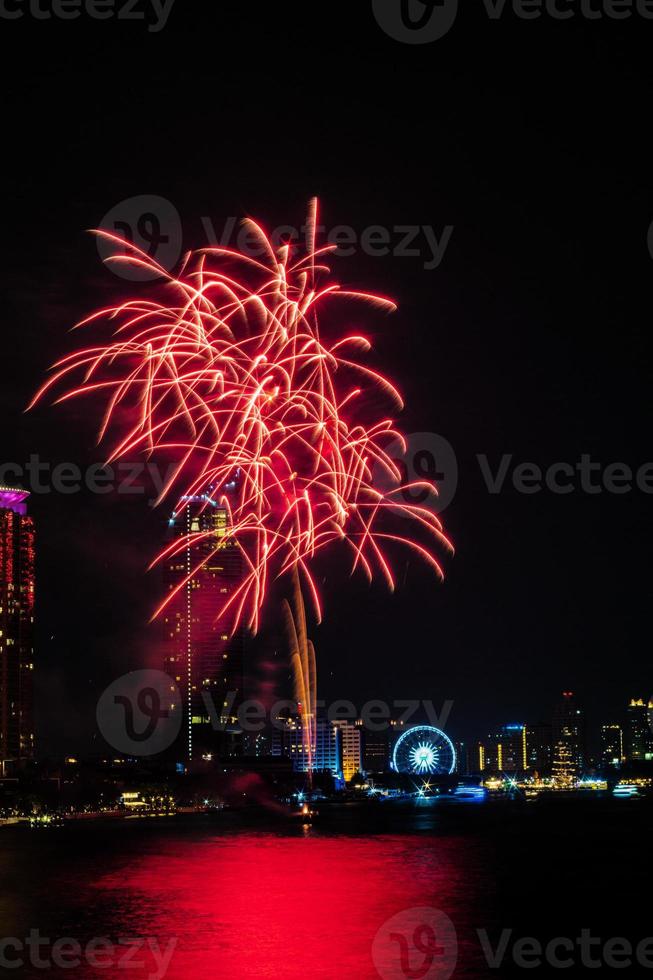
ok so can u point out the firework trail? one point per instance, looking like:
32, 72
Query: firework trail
223, 369
303, 664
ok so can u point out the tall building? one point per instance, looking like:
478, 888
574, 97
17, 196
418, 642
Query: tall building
639, 734
201, 653
539, 742
16, 627
350, 738
568, 741
376, 749
464, 760
612, 745
504, 751
289, 741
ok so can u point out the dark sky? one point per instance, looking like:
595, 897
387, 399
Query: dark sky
532, 337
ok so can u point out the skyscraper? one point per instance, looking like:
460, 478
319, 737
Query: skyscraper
376, 749
539, 741
16, 626
612, 745
568, 741
639, 734
504, 751
350, 735
202, 654
288, 740
464, 759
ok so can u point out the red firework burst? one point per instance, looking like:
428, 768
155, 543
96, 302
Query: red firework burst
229, 375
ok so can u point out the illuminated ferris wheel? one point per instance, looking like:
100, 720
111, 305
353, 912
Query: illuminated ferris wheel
424, 751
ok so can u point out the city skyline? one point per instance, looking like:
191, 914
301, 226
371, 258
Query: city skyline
326, 480
177, 652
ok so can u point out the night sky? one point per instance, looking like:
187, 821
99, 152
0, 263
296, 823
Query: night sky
531, 338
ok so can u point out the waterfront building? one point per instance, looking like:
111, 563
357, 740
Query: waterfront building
202, 652
324, 755
350, 737
17, 590
539, 744
568, 741
639, 733
504, 751
612, 745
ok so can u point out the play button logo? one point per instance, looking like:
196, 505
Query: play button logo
415, 21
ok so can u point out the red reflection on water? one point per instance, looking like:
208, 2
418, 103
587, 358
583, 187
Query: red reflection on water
262, 905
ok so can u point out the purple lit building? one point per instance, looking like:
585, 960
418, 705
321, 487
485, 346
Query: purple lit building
202, 653
16, 627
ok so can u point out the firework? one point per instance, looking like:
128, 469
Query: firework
303, 665
222, 368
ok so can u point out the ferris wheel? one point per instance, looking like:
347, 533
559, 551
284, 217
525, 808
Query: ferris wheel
424, 751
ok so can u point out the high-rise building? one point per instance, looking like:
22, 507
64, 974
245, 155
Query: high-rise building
376, 748
504, 751
350, 738
464, 761
639, 734
568, 741
539, 743
202, 653
16, 627
325, 755
612, 745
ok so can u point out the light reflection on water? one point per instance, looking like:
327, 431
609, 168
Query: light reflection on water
282, 901
295, 903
